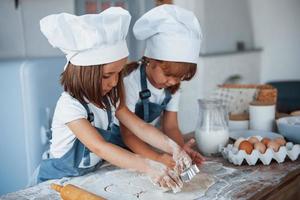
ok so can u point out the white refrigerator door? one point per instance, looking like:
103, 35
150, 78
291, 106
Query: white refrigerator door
29, 91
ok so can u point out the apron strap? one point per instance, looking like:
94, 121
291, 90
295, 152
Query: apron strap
145, 93
167, 98
90, 118
108, 112
90, 115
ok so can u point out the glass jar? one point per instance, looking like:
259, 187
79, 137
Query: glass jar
212, 128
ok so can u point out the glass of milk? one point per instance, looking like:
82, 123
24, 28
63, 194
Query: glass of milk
212, 128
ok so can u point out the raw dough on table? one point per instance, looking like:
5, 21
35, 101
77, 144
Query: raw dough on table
124, 184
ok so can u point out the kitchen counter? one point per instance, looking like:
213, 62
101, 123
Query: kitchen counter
275, 181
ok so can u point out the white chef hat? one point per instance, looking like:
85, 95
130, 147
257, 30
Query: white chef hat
171, 33
90, 39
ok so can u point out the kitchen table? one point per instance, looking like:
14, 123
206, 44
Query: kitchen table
274, 181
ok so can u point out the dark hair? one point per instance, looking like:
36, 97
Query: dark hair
183, 70
86, 82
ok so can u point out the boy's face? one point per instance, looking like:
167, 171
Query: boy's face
110, 75
159, 78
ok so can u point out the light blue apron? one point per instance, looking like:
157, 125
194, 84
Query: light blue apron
144, 109
68, 164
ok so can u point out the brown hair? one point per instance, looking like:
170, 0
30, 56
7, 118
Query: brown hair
86, 82
184, 71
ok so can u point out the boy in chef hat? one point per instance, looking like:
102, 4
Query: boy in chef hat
82, 135
173, 38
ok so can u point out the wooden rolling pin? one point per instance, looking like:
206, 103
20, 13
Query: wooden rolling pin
72, 192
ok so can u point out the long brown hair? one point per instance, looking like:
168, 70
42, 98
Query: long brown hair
183, 70
86, 82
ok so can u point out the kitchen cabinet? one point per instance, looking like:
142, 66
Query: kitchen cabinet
11, 31
20, 34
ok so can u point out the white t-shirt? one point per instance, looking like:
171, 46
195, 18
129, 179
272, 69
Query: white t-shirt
132, 84
69, 109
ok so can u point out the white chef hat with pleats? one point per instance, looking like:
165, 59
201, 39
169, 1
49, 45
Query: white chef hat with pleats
171, 33
90, 39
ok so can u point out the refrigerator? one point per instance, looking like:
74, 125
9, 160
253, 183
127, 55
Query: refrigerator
29, 89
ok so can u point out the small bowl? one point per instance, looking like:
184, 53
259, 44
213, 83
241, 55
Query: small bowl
289, 127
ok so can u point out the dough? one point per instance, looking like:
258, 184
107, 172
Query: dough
124, 184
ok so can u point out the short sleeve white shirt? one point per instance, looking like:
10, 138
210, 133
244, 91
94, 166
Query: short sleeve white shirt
132, 84
67, 110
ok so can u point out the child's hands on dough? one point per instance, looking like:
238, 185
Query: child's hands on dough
167, 160
196, 157
163, 177
181, 158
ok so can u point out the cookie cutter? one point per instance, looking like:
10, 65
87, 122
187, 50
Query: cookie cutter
189, 173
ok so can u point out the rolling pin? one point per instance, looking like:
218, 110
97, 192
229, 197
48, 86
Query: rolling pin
72, 192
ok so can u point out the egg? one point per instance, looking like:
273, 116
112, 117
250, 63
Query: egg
280, 141
253, 140
238, 141
273, 145
246, 146
260, 147
265, 141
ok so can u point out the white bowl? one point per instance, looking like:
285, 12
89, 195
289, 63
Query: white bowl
289, 127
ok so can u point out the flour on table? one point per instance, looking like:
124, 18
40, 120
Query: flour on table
124, 184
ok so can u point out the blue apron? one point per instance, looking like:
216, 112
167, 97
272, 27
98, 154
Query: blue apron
68, 164
144, 109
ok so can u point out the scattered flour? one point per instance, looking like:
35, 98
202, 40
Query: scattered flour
214, 181
124, 184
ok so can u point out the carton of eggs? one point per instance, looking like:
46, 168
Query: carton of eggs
256, 148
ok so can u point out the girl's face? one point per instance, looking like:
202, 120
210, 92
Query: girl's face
158, 78
111, 73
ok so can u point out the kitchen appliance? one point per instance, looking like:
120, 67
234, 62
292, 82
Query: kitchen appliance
29, 91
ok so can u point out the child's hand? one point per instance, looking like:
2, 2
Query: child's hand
167, 160
183, 161
163, 177
196, 157
181, 158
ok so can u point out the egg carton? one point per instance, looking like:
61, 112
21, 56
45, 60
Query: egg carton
235, 156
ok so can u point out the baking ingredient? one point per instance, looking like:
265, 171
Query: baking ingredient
72, 192
246, 146
209, 140
280, 141
265, 141
253, 140
122, 184
273, 145
238, 141
260, 147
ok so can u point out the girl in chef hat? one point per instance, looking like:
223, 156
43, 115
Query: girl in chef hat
173, 37
82, 135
